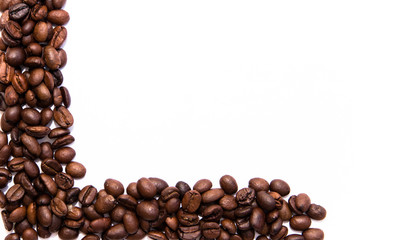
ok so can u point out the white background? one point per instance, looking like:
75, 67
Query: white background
298, 90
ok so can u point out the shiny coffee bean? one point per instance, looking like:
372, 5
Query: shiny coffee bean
191, 201
316, 212
280, 186
228, 184
113, 187
146, 188
202, 185
87, 195
18, 11
300, 222
313, 234
76, 170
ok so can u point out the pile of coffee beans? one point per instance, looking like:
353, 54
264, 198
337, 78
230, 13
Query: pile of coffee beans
36, 157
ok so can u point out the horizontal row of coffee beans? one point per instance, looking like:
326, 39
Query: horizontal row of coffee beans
35, 155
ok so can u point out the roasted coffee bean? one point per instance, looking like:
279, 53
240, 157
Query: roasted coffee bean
68, 233
31, 144
13, 29
59, 37
31, 169
36, 77
58, 207
43, 94
113, 187
34, 49
228, 202
258, 184
183, 187
63, 57
212, 195
63, 117
58, 132
280, 186
132, 190
37, 131
281, 234
100, 225
302, 202
245, 196
127, 201
11, 98
292, 205
43, 199
7, 224
202, 185
294, 237
257, 219
51, 58
12, 236
30, 98
58, 17
189, 232
6, 71
300, 222
31, 213
46, 151
87, 195
29, 234
91, 237
74, 213
34, 62
211, 230
147, 210
19, 11
64, 181
56, 224
146, 188
17, 215
116, 232
212, 213
105, 204
191, 201
15, 56
243, 224
44, 216
40, 32
117, 213
62, 141
39, 12
31, 116
243, 211
49, 184
15, 193
285, 212
316, 212
77, 170
157, 235
72, 195
21, 226
228, 184
169, 193
5, 177
313, 234
172, 205
265, 201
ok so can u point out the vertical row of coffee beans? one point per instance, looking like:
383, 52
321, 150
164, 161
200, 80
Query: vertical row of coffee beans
37, 158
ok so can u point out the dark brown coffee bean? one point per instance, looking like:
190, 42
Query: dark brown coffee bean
36, 77
40, 32
191, 201
3, 137
34, 62
30, 234
130, 222
316, 212
15, 193
228, 184
77, 170
63, 57
105, 204
49, 184
30, 98
212, 213
31, 213
34, 49
17, 215
280, 186
292, 205
12, 236
211, 230
57, 97
74, 213
31, 144
300, 222
44, 216
245, 196
87, 195
169, 193
46, 116
58, 17
59, 37
127, 201
6, 71
5, 17
31, 169
183, 187
132, 190
19, 11
258, 184
46, 151
51, 58
202, 185
5, 177
21, 226
189, 232
31, 116
146, 188
157, 235
187, 219
37, 131
116, 232
313, 234
172, 205
7, 224
160, 184
58, 77
113, 187
58, 132
65, 154
117, 213
13, 29
68, 233
63, 117
5, 153
15, 56
212, 195
302, 202
265, 201
294, 237
64, 181
39, 12
100, 225
147, 210
281, 234
228, 202
285, 212
3, 200
43, 94
11, 97
62, 141
58, 207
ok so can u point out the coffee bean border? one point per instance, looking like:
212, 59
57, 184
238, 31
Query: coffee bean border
43, 200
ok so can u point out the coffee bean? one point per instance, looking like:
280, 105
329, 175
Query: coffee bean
51, 58
281, 234
300, 222
202, 185
76, 170
146, 188
11, 98
228, 184
44, 215
183, 187
63, 117
15, 193
257, 219
62, 141
68, 233
17, 215
316, 212
46, 150
87, 195
59, 207
12, 236
63, 57
191, 201
302, 202
280, 186
6, 71
313, 234
5, 153
105, 204
64, 181
31, 213
212, 195
31, 116
127, 201
157, 235
31, 144
116, 232
294, 237
285, 212
19, 11
13, 29
113, 187
147, 210
228, 202
31, 169
39, 12
74, 213
265, 201
59, 37
100, 225
49, 184
58, 17
40, 32
212, 213
37, 131
91, 237
211, 230
29, 234
15, 56
189, 232
245, 196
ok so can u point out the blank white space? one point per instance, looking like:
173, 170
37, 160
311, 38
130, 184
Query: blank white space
298, 90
